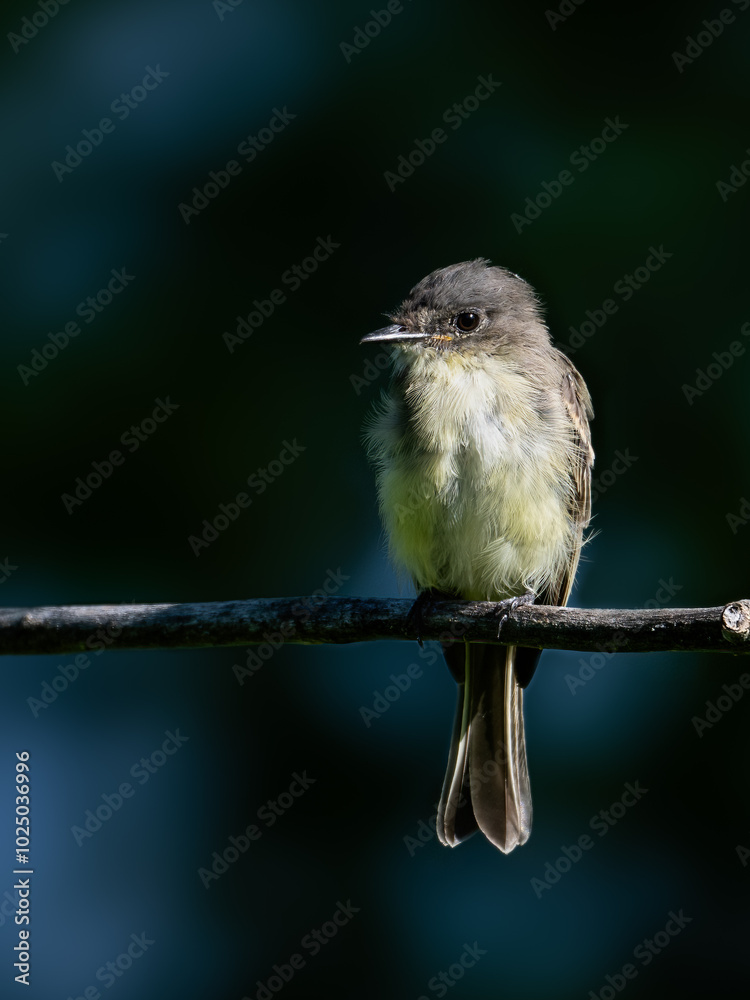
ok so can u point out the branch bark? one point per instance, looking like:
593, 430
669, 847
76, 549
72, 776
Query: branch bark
350, 619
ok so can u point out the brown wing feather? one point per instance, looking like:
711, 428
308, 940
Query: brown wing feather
577, 403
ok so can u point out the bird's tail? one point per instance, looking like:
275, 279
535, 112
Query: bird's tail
487, 781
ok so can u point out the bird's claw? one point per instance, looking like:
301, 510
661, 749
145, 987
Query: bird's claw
422, 606
509, 605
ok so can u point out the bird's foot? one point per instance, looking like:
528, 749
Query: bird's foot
421, 608
506, 607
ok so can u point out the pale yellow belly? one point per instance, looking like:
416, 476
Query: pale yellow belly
484, 536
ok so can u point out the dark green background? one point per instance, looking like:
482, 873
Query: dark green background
664, 519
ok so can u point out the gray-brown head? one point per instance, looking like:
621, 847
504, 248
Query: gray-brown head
467, 306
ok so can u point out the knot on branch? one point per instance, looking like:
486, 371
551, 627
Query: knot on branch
735, 622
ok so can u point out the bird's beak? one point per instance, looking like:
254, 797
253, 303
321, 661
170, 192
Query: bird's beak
395, 333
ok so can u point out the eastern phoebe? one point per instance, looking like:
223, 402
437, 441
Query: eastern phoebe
483, 458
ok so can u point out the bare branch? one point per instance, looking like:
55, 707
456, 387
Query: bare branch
351, 619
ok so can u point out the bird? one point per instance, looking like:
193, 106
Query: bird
483, 457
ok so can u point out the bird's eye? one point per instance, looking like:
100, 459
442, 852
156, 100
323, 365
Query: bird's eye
468, 321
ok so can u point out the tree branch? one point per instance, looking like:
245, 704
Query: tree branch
351, 619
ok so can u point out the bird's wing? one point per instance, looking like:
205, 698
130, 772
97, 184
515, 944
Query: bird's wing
577, 404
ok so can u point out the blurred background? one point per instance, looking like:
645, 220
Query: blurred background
205, 206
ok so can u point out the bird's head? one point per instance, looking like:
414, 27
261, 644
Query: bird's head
469, 307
